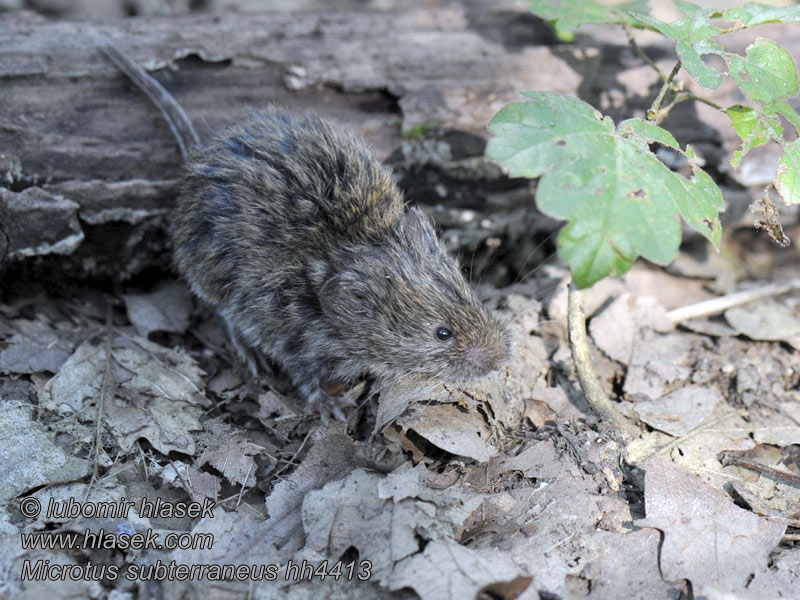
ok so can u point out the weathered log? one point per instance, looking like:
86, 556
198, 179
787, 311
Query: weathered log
73, 125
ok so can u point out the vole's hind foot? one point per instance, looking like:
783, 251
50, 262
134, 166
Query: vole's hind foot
320, 401
251, 358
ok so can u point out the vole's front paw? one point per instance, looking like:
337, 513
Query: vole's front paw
322, 402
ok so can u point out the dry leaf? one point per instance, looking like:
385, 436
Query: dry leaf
154, 392
28, 456
707, 538
34, 346
229, 452
166, 308
448, 571
679, 412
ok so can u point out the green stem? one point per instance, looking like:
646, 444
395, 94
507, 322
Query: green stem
682, 97
652, 114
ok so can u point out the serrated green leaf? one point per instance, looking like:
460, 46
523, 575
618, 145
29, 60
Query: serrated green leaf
754, 128
618, 199
787, 179
567, 16
755, 14
766, 73
691, 34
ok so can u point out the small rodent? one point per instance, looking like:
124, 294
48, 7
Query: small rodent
299, 237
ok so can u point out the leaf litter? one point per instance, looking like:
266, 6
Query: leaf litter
508, 487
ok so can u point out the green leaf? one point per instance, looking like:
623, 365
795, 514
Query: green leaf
754, 128
648, 131
687, 8
691, 34
690, 55
766, 73
781, 107
618, 199
787, 180
567, 16
755, 14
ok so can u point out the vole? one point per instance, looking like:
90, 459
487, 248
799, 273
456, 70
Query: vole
290, 227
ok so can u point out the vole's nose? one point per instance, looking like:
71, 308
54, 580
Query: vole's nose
485, 359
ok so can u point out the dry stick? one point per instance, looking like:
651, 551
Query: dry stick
752, 465
187, 488
717, 305
98, 434
244, 485
590, 383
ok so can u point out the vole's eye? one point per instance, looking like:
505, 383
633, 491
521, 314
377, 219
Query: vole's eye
443, 333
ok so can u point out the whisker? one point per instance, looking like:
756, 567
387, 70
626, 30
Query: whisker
521, 274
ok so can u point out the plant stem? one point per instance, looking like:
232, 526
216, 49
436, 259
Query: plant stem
652, 114
590, 383
682, 97
641, 54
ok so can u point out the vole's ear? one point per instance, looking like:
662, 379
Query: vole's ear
418, 227
346, 294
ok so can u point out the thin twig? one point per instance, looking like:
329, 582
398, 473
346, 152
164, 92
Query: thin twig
729, 459
716, 306
185, 483
590, 383
98, 434
244, 485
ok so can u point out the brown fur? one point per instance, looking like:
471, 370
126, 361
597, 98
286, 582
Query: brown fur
291, 228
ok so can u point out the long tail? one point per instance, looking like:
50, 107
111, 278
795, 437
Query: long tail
173, 114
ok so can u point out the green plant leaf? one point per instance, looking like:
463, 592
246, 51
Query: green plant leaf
687, 8
648, 131
618, 199
691, 34
755, 14
766, 73
781, 107
787, 180
567, 16
754, 128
